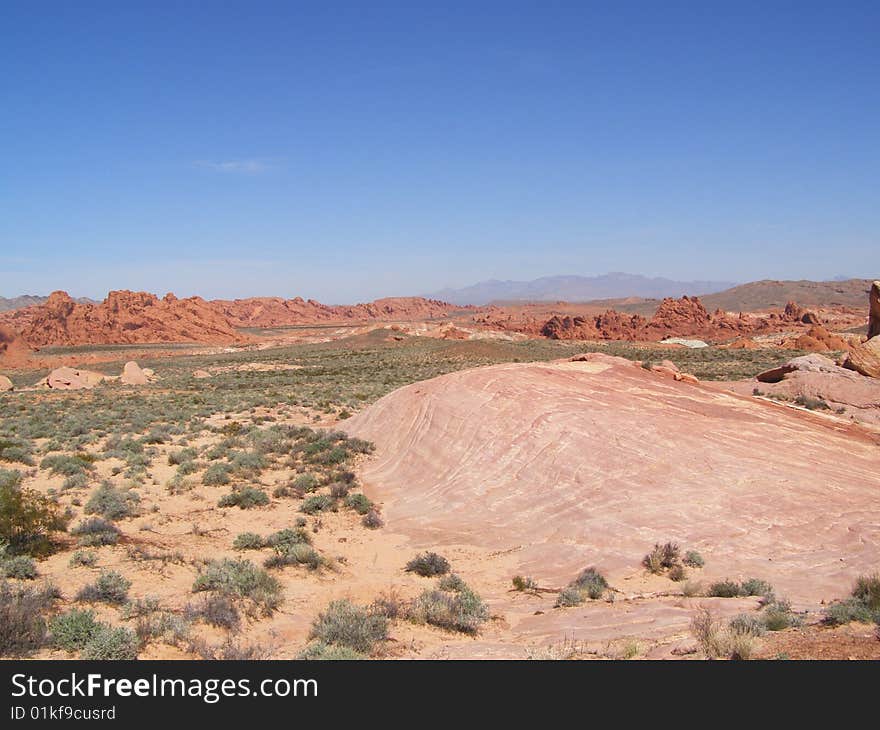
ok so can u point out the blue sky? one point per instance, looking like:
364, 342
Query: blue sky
349, 151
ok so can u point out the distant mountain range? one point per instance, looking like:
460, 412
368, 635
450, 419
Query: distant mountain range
27, 300
577, 289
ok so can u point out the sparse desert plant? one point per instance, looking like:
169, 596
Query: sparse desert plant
390, 605
757, 587
66, 465
662, 557
462, 611
777, 615
344, 624
863, 605
96, 531
22, 626
524, 583
112, 644
747, 623
692, 559
725, 589
288, 536
110, 587
22, 567
452, 582
372, 520
428, 565
321, 651
74, 629
692, 588
245, 498
677, 573
590, 583
340, 490
734, 640
248, 541
709, 633
85, 558
243, 579
112, 503
216, 609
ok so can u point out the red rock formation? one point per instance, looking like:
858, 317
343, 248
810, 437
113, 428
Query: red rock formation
874, 310
278, 312
14, 351
123, 317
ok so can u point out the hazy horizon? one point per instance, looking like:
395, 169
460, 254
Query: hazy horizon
345, 153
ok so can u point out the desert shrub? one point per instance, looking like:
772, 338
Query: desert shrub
248, 541
243, 579
524, 583
662, 557
813, 404
372, 520
317, 503
67, 465
22, 626
709, 633
592, 582
183, 456
344, 624
217, 609
462, 611
428, 565
74, 629
305, 483
22, 567
86, 558
110, 587
692, 559
294, 554
16, 450
112, 644
158, 435
111, 502
569, 596
359, 503
340, 490
27, 518
746, 623
77, 481
692, 588
321, 651
777, 615
863, 605
390, 605
96, 531
725, 589
452, 582
217, 475
244, 498
141, 607
248, 463
677, 573
288, 536
757, 587
163, 626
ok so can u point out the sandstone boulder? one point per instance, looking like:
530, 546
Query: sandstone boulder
865, 358
201, 374
805, 363
5, 384
133, 375
66, 378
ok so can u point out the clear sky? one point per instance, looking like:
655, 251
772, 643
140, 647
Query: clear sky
348, 151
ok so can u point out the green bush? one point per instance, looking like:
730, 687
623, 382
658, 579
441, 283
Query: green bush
452, 582
248, 541
71, 631
372, 520
359, 503
243, 579
524, 583
428, 565
22, 567
288, 536
321, 651
244, 498
692, 559
294, 554
110, 587
217, 475
725, 589
67, 465
662, 557
27, 518
112, 644
344, 624
111, 502
317, 503
305, 483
